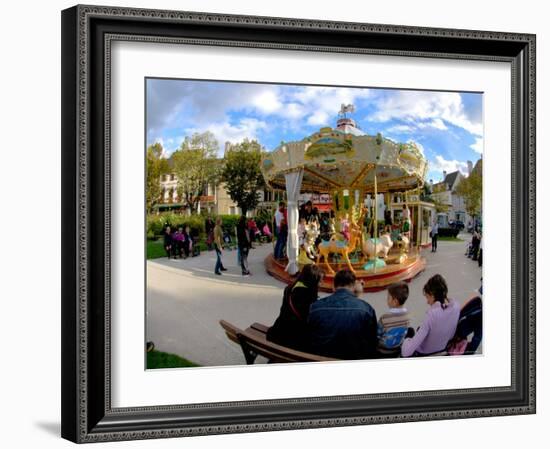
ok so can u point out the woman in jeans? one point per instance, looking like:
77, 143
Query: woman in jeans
290, 328
218, 246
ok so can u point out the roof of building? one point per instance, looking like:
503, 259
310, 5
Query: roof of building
450, 179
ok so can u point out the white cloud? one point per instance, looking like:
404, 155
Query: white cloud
292, 111
400, 129
225, 132
436, 123
267, 101
321, 104
478, 145
318, 118
413, 126
426, 109
441, 164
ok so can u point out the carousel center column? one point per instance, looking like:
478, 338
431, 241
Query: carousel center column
293, 182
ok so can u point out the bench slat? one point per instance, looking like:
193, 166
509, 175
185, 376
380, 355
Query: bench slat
254, 338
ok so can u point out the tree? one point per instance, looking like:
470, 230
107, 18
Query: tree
241, 174
195, 166
157, 165
470, 189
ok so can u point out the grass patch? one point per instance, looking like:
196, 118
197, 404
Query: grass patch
155, 248
159, 359
449, 239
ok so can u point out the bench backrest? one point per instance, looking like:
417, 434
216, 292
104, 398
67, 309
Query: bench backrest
254, 338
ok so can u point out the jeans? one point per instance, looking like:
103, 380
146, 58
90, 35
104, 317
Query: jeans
434, 242
280, 245
243, 250
219, 264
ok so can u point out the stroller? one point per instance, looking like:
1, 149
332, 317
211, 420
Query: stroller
227, 240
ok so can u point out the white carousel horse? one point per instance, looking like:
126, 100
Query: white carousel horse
377, 247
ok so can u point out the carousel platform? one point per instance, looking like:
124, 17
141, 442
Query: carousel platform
374, 280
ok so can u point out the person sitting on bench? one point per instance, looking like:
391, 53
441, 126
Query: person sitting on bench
341, 325
290, 328
439, 323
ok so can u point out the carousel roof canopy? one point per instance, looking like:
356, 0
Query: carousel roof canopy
346, 158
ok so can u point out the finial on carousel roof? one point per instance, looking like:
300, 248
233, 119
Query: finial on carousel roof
346, 108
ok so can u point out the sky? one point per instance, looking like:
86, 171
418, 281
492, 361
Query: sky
446, 126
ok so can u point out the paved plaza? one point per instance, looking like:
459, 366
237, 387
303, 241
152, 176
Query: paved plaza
185, 300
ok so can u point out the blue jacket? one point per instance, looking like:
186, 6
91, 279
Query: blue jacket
343, 327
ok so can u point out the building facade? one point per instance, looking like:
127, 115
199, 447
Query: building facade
444, 193
216, 199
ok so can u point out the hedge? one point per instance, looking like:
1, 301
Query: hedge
157, 223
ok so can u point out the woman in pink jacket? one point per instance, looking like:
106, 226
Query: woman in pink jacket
439, 324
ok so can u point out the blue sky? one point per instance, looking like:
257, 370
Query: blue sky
447, 126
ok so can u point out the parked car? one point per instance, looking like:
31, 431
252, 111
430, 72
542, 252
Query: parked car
456, 224
448, 232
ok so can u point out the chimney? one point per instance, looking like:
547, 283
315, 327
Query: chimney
444, 175
227, 147
470, 167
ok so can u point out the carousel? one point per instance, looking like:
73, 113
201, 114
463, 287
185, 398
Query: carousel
375, 225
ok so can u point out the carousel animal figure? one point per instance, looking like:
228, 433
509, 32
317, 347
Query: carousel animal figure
341, 247
303, 258
311, 234
376, 247
402, 243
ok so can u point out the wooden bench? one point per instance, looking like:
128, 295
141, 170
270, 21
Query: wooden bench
253, 342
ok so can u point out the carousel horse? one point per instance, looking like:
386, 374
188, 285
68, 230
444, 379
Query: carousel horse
374, 247
311, 234
341, 247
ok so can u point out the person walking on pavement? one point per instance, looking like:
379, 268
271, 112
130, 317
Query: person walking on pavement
434, 232
218, 246
244, 244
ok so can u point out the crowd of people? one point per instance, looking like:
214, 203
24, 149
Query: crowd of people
179, 243
343, 326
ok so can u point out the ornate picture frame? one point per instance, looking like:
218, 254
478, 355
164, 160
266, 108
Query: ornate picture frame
87, 34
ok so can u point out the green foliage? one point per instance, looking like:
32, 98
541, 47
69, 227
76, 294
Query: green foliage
470, 189
158, 359
241, 174
229, 222
440, 206
157, 223
157, 165
264, 216
195, 166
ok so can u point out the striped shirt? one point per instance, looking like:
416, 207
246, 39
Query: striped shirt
392, 328
438, 328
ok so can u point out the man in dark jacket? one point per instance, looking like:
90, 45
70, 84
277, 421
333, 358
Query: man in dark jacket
243, 242
341, 325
